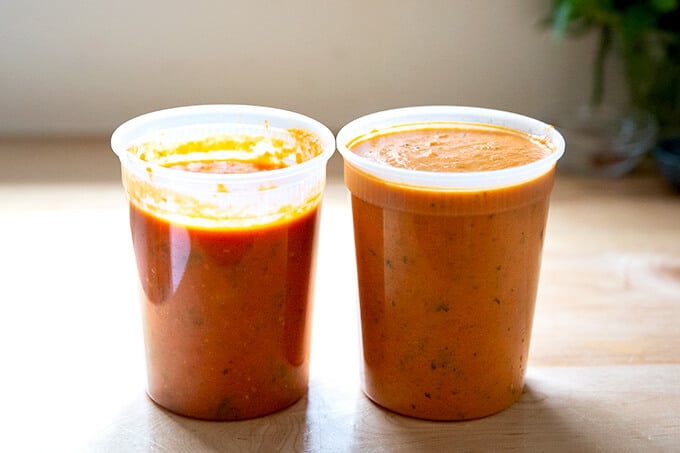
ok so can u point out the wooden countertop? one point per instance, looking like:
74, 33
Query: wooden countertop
604, 369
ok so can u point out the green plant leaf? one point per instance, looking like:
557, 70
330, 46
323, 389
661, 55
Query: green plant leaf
665, 6
645, 34
636, 20
561, 18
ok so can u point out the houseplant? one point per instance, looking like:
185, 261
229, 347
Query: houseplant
645, 35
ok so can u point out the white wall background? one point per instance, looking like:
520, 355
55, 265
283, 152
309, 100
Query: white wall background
84, 66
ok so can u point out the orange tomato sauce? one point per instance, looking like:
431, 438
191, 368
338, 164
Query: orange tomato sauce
226, 311
447, 280
462, 148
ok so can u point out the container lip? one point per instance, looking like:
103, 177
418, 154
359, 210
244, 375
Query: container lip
394, 119
153, 123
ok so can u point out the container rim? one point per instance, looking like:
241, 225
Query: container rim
407, 117
149, 125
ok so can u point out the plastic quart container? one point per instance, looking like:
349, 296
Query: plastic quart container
224, 211
448, 253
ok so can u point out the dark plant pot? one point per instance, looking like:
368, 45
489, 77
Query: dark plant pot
667, 156
652, 67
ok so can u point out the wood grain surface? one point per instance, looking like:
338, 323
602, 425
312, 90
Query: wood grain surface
604, 368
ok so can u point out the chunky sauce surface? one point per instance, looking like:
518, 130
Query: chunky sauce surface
233, 153
226, 166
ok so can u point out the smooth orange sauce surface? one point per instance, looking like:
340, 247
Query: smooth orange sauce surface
461, 148
447, 285
226, 311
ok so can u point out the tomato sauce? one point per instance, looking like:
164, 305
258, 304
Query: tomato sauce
226, 309
227, 314
447, 278
453, 149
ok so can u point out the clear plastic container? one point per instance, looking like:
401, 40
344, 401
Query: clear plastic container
224, 211
448, 266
